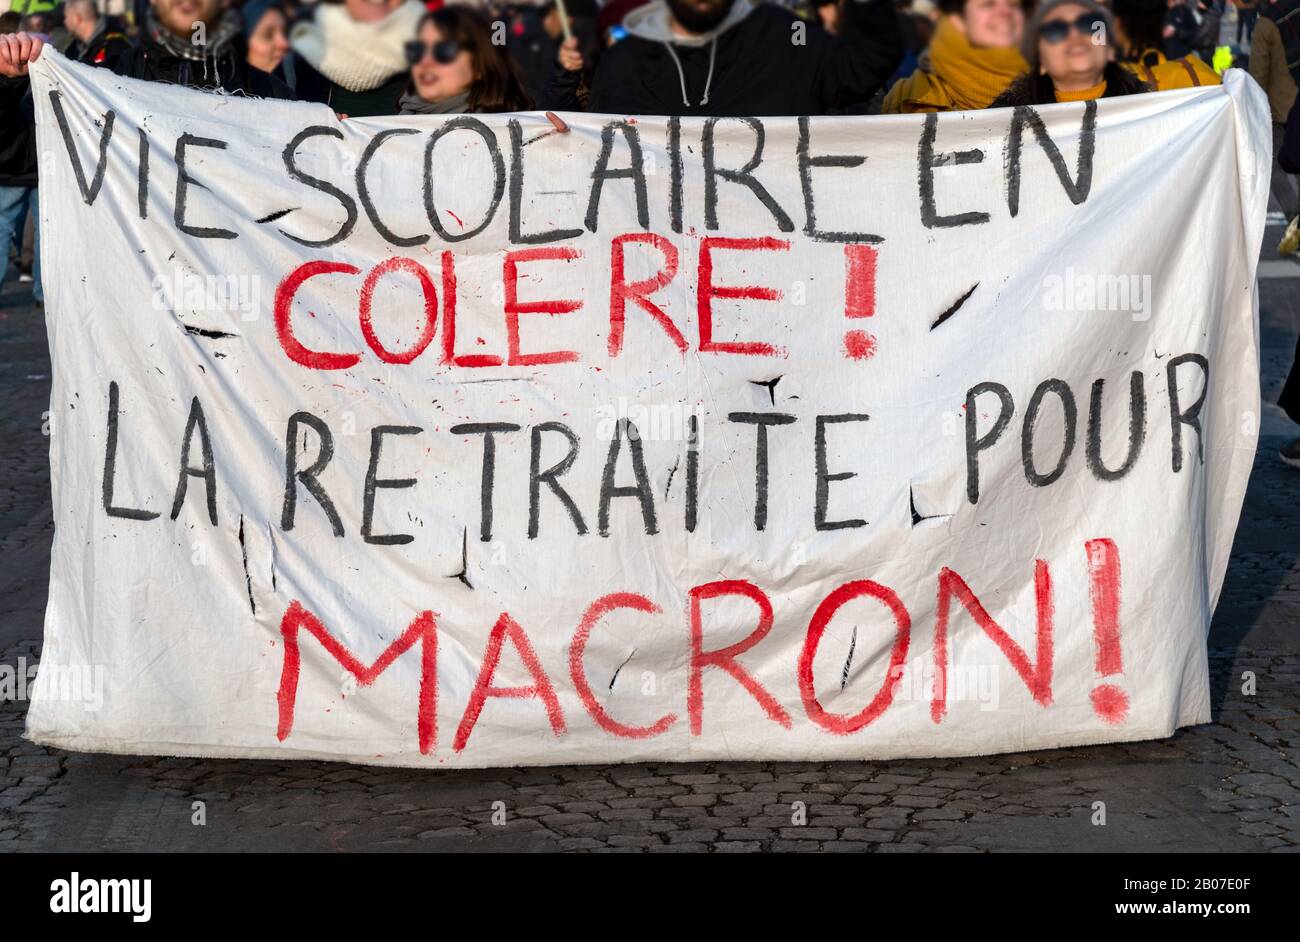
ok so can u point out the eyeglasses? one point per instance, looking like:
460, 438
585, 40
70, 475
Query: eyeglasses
444, 51
1056, 31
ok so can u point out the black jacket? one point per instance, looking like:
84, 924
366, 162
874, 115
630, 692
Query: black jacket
1186, 30
1038, 89
759, 69
145, 60
1288, 158
228, 71
104, 47
17, 134
17, 113
534, 51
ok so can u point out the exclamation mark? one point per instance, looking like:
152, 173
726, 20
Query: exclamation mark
1108, 700
859, 298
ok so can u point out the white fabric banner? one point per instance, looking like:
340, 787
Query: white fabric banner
464, 442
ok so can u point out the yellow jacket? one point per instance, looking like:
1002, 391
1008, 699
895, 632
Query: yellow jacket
957, 77
918, 93
1163, 74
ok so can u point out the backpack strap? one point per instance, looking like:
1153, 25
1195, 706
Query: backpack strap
1196, 79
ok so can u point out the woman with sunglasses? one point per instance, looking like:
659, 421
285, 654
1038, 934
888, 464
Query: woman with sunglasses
456, 69
1067, 46
972, 59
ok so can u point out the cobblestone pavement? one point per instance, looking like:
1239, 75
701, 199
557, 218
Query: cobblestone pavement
1232, 785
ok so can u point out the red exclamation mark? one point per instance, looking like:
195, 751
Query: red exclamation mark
1108, 700
859, 298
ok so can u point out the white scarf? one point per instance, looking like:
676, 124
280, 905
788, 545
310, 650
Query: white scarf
357, 56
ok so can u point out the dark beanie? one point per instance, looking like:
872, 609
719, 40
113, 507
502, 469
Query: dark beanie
253, 11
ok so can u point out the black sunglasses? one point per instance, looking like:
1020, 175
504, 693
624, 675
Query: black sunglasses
444, 51
1056, 31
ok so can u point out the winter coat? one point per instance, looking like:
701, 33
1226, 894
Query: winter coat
1186, 28
1269, 67
1288, 158
17, 134
108, 42
146, 60
750, 65
954, 76
1163, 74
1211, 13
1037, 89
227, 71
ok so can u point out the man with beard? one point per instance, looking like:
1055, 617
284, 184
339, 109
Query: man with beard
183, 42
736, 58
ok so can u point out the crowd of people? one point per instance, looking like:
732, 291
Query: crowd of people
654, 57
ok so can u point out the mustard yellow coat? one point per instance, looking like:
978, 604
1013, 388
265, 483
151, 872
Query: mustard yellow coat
1164, 74
954, 76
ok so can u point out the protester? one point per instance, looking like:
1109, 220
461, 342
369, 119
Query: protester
1284, 19
536, 33
28, 7
743, 58
1247, 11
1289, 158
169, 50
569, 88
456, 69
1290, 403
17, 165
916, 31
351, 55
1268, 65
1070, 58
971, 61
828, 14
916, 22
184, 42
1138, 36
923, 16
266, 34
96, 39
1181, 28
1210, 15
46, 24
540, 33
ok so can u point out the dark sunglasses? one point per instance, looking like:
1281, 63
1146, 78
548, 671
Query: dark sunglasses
444, 51
1056, 31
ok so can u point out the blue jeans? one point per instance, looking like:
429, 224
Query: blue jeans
15, 203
